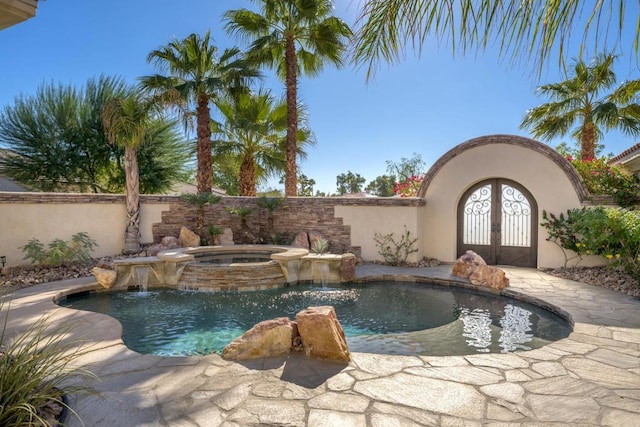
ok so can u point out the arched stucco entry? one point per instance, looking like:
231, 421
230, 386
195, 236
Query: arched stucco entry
549, 178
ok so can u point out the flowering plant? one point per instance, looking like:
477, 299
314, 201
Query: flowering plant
409, 186
602, 178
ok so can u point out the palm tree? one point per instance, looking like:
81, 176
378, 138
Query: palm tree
125, 122
252, 128
588, 97
292, 36
195, 76
525, 30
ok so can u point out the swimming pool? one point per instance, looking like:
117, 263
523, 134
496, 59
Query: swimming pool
379, 317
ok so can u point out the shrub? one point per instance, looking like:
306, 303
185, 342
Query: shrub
35, 371
602, 178
395, 252
613, 233
60, 251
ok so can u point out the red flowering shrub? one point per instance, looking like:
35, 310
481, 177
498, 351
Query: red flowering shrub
408, 187
602, 178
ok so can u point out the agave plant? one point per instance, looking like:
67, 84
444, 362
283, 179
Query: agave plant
320, 247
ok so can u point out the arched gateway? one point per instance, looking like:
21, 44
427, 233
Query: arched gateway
496, 219
487, 195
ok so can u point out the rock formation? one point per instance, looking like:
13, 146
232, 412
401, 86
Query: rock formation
226, 238
464, 266
322, 335
489, 276
316, 331
105, 277
270, 338
471, 266
188, 239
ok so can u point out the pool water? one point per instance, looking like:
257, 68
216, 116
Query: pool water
379, 317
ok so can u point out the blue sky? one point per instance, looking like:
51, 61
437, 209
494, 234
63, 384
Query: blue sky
425, 105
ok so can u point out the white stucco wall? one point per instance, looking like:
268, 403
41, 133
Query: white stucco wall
104, 222
549, 185
366, 221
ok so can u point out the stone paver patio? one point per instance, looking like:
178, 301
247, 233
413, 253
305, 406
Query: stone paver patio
590, 378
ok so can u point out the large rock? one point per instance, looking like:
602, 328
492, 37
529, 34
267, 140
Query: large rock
170, 241
188, 239
489, 276
226, 238
270, 338
105, 277
301, 240
348, 268
154, 250
322, 334
466, 264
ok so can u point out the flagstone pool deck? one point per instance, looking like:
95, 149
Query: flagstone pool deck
590, 378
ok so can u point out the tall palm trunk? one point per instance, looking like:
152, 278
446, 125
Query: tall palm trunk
247, 176
205, 172
291, 81
132, 195
588, 141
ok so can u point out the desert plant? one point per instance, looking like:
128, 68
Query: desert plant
60, 251
271, 204
214, 231
243, 214
36, 371
395, 252
320, 247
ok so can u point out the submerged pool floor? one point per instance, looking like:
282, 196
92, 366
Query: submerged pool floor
378, 317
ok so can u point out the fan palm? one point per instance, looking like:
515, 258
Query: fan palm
588, 97
530, 30
291, 36
125, 123
195, 76
252, 130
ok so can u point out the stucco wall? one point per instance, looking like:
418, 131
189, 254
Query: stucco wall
552, 188
44, 216
365, 222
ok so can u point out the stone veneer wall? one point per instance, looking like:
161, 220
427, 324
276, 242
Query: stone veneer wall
293, 216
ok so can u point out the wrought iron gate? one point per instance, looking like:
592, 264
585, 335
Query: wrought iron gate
497, 219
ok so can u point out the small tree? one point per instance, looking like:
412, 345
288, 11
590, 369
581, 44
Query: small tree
382, 186
271, 204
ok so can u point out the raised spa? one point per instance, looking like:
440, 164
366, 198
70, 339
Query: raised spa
231, 268
378, 317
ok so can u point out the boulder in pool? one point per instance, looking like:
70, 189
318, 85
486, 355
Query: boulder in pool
271, 338
322, 335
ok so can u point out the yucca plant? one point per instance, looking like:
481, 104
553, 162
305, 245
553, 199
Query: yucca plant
36, 371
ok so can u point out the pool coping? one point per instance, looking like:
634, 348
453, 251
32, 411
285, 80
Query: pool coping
591, 377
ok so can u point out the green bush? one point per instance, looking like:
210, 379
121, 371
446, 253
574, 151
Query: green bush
60, 251
36, 370
602, 178
613, 233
